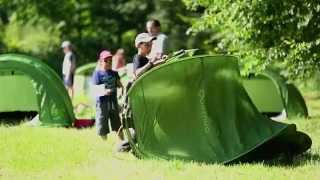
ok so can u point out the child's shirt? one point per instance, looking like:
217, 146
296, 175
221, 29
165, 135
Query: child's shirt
139, 61
109, 78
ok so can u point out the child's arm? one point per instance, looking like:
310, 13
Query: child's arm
119, 85
143, 69
160, 61
98, 88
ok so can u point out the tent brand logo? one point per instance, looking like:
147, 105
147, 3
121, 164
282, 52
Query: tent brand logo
203, 112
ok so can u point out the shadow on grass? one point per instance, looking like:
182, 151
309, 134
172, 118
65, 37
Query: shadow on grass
289, 161
15, 118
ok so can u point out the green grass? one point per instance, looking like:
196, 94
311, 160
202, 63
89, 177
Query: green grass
58, 153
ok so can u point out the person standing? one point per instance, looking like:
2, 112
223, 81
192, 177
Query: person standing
159, 45
68, 67
118, 60
107, 80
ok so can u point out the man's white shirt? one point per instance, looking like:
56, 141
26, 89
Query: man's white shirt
158, 46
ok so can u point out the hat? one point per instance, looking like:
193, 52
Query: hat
66, 44
143, 37
104, 54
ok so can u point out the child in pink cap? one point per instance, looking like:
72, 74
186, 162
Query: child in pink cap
107, 102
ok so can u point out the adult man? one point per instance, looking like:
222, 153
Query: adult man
159, 45
68, 66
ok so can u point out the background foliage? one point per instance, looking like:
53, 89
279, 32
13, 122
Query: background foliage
264, 32
38, 27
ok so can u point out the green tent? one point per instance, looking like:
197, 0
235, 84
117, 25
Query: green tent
271, 94
197, 109
30, 85
84, 96
84, 73
82, 78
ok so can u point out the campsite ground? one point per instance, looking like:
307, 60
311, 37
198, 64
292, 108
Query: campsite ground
58, 153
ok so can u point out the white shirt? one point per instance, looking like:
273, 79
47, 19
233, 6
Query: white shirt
69, 63
158, 46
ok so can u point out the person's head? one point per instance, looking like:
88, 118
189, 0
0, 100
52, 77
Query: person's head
66, 46
120, 53
144, 42
153, 27
105, 60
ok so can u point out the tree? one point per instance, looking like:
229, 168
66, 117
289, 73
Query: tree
92, 25
264, 32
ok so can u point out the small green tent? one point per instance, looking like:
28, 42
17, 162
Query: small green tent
30, 85
197, 109
84, 94
84, 73
271, 94
82, 79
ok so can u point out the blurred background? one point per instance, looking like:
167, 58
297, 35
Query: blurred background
284, 34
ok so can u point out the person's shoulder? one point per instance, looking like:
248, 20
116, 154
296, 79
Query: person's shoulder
114, 72
162, 36
70, 55
136, 57
95, 72
73, 55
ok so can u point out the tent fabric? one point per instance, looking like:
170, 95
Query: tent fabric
83, 77
86, 69
264, 93
290, 98
197, 109
27, 101
54, 104
296, 106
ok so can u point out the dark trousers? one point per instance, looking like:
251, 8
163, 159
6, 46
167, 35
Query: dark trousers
106, 110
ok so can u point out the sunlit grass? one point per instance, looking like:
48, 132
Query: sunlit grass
58, 153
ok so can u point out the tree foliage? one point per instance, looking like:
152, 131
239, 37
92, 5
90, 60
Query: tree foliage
264, 32
92, 25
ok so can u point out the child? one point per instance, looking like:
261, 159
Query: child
106, 102
141, 63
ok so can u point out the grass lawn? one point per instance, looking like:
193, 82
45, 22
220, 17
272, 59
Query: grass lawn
58, 153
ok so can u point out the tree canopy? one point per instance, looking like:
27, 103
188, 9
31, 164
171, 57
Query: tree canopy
261, 32
90, 25
264, 32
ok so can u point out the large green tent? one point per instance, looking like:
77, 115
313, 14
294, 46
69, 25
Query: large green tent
271, 94
197, 109
30, 85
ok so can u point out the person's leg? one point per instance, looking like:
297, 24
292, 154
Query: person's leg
101, 120
68, 82
70, 91
115, 118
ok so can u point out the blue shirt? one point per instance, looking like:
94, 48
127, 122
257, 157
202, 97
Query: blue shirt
109, 78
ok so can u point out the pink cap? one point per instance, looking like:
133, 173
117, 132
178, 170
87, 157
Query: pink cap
104, 54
